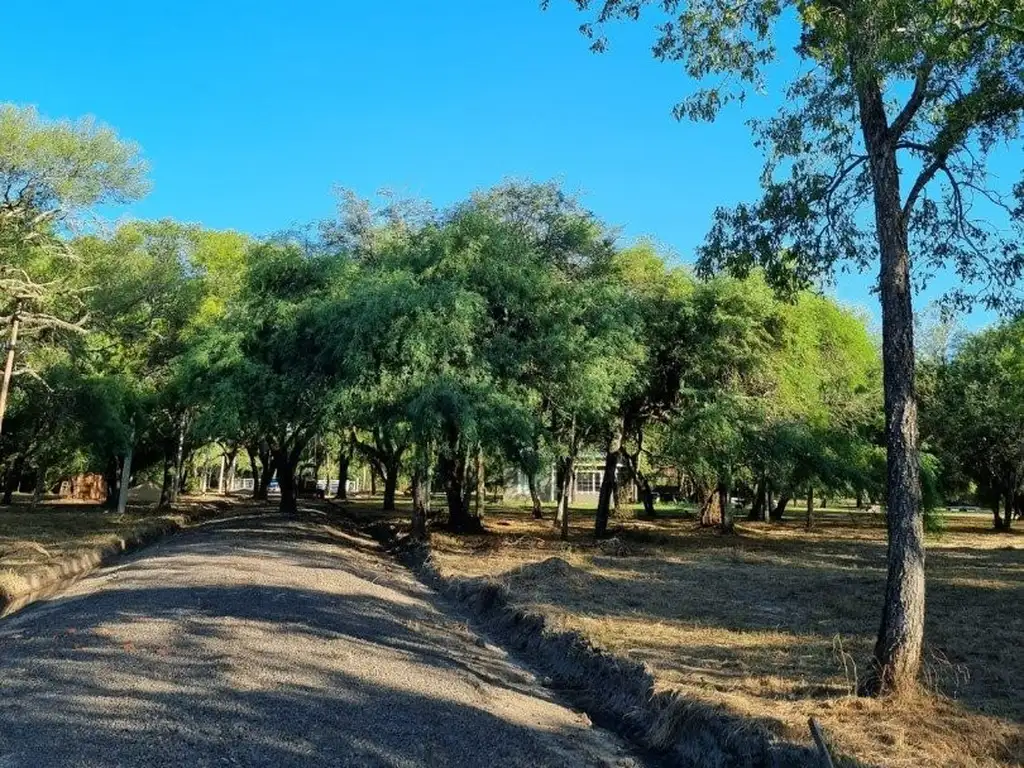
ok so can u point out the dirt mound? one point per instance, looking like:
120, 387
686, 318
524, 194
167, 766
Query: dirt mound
555, 571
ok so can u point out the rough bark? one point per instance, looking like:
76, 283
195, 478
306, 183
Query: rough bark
897, 658
538, 510
609, 482
479, 469
711, 508
810, 508
390, 487
779, 510
165, 488
728, 525
565, 475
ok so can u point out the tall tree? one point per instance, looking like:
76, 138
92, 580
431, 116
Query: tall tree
917, 91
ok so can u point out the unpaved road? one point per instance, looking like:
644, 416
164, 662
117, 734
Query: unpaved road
270, 643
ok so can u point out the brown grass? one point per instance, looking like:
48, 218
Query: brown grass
35, 538
776, 623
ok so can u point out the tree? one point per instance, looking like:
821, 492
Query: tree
50, 171
974, 417
893, 89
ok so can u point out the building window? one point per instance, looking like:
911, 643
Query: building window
588, 482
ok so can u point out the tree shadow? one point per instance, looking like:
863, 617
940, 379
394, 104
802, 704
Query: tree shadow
265, 645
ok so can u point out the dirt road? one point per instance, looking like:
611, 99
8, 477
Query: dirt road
270, 643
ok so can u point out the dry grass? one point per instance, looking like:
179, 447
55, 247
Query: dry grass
776, 623
33, 538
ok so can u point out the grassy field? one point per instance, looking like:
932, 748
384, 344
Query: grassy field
32, 538
776, 623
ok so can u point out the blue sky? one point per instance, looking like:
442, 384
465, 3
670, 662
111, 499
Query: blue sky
250, 113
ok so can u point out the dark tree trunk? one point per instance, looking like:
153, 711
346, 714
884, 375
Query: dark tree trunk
113, 478
229, 479
166, 487
286, 481
609, 482
779, 510
538, 511
1008, 511
344, 460
997, 520
757, 506
860, 499
897, 658
373, 480
13, 480
810, 508
728, 526
452, 465
390, 487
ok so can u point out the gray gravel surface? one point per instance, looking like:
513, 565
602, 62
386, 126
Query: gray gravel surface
267, 642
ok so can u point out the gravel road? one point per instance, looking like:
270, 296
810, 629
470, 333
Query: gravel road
267, 642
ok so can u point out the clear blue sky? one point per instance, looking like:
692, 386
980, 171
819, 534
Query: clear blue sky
250, 113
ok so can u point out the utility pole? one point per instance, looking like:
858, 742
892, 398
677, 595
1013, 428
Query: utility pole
9, 367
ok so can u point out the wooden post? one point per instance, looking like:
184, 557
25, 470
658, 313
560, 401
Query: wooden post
9, 367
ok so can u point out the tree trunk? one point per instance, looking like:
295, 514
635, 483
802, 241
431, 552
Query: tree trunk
565, 475
40, 486
126, 476
757, 506
997, 520
810, 508
860, 499
780, 509
113, 478
286, 465
232, 463
373, 481
481, 482
390, 486
711, 509
12, 481
538, 510
220, 477
165, 488
728, 526
419, 501
609, 482
1008, 511
179, 462
344, 459
897, 658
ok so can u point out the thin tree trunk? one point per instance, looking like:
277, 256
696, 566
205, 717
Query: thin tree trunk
113, 478
419, 501
997, 520
810, 508
179, 462
1008, 511
232, 463
897, 658
221, 490
126, 476
538, 510
165, 489
609, 482
481, 483
562, 509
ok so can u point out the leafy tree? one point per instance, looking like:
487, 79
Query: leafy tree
896, 113
975, 417
51, 171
